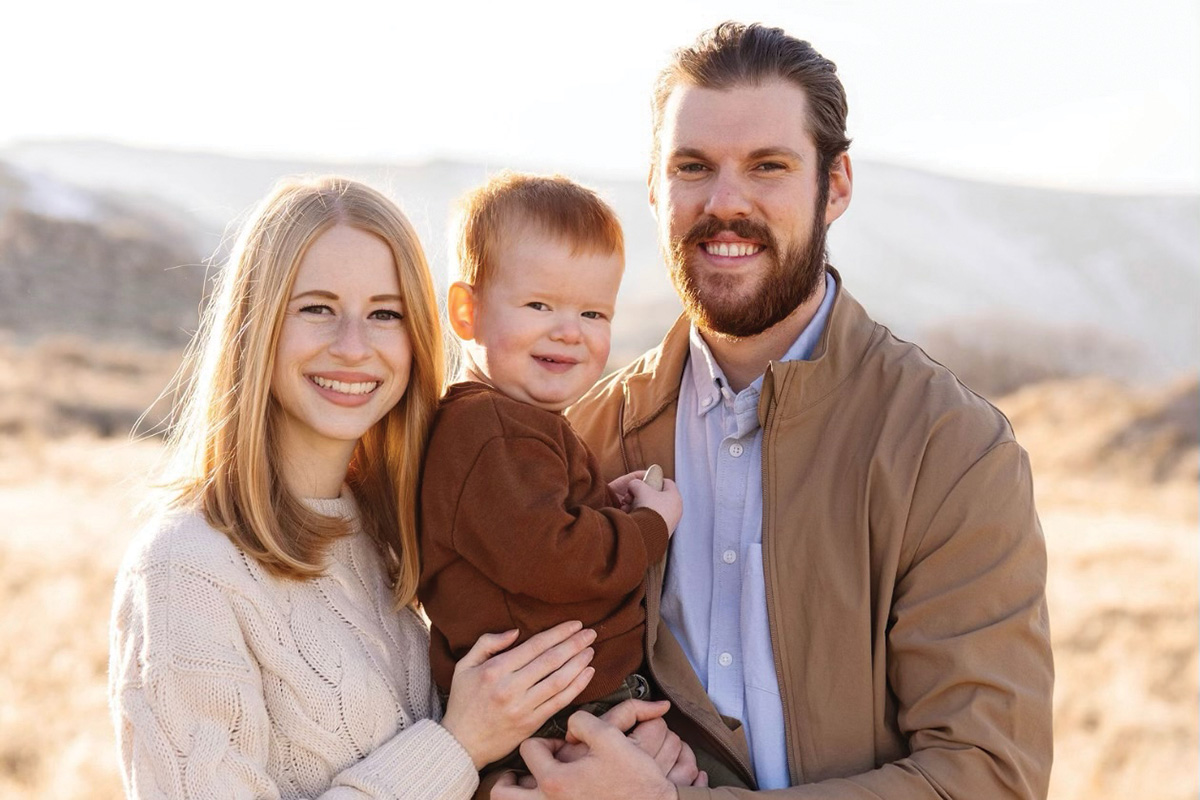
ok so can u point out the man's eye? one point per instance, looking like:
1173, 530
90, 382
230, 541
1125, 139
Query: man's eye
321, 309
387, 313
770, 166
691, 167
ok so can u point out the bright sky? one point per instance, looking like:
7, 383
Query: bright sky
1091, 94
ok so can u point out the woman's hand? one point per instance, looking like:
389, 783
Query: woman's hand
496, 701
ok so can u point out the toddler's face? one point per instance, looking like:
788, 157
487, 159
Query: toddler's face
542, 321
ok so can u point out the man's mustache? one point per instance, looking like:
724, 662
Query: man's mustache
709, 227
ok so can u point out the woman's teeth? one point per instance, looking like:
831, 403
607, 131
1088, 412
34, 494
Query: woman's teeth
731, 248
342, 387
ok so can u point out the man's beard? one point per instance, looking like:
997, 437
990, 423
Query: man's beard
792, 277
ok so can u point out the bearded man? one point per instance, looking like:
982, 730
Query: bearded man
853, 605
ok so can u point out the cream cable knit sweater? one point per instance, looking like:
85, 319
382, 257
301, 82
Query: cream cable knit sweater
228, 683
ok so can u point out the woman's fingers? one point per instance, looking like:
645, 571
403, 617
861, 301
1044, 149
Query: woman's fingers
485, 647
556, 699
555, 666
549, 649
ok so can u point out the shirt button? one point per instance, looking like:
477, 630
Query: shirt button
729, 556
736, 450
724, 659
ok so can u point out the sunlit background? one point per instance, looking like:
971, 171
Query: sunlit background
1093, 94
1026, 207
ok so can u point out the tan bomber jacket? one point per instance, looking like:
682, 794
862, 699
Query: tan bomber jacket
905, 572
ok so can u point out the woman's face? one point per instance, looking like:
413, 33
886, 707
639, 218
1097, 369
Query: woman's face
344, 354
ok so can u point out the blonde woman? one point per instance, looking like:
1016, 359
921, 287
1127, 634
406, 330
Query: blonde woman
264, 638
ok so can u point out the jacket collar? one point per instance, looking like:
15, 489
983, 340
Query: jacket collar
847, 335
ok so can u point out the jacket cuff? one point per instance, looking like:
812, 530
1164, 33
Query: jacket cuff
654, 533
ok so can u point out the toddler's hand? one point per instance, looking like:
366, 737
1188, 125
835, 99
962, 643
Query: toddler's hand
668, 503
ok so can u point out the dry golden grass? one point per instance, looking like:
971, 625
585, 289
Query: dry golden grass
1117, 490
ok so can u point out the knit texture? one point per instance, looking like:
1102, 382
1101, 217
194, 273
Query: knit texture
227, 682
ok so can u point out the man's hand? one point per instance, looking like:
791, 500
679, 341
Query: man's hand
614, 768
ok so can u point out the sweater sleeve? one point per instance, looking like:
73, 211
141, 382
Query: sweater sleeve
522, 533
190, 714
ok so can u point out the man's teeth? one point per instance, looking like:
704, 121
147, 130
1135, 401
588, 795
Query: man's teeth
345, 388
731, 248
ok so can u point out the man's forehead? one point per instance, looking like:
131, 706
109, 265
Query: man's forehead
756, 115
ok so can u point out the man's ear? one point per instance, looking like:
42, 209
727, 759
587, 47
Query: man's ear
841, 186
460, 307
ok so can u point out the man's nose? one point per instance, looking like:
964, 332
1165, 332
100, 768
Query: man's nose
729, 197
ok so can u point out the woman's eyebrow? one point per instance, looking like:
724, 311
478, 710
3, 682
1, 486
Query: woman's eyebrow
324, 293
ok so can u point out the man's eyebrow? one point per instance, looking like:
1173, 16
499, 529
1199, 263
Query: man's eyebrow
768, 152
687, 152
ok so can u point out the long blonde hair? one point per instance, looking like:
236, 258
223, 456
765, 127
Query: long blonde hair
223, 447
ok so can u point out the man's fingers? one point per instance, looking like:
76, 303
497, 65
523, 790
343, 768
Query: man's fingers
684, 772
539, 754
507, 788
628, 713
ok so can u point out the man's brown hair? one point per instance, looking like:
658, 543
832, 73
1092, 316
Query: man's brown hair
549, 204
733, 53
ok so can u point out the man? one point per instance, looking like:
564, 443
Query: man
858, 581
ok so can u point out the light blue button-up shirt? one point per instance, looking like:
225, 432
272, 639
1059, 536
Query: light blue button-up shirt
714, 598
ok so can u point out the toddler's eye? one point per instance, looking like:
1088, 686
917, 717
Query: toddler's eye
536, 306
594, 315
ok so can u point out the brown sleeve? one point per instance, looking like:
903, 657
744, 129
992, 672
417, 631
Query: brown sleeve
516, 523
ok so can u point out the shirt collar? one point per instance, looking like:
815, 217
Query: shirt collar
708, 378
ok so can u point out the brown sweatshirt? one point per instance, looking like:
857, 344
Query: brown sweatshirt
520, 530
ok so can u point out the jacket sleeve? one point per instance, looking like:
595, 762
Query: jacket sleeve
968, 656
520, 532
191, 718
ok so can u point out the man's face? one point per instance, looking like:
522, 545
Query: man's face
741, 218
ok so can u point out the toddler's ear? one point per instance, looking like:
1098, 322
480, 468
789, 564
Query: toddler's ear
460, 307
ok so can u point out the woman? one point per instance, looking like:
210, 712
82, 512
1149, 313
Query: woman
264, 638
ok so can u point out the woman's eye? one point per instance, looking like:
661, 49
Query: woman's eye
387, 313
316, 310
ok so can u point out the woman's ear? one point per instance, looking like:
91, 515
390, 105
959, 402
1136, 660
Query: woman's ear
460, 307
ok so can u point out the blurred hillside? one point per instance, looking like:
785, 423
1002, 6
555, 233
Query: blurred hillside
1115, 475
1074, 313
1023, 281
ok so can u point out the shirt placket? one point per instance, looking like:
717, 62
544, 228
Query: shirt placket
732, 473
